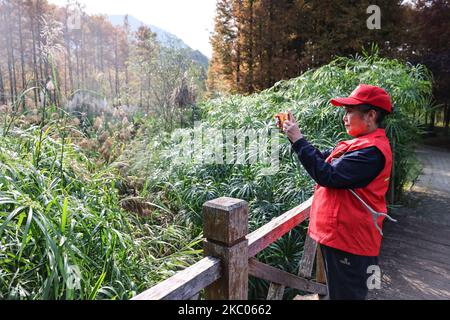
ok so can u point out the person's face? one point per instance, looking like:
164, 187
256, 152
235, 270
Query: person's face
356, 123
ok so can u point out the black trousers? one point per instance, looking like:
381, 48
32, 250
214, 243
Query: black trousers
346, 273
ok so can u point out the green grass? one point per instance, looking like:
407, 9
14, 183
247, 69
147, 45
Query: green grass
63, 234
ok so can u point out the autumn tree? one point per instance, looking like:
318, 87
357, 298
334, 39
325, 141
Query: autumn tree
143, 61
255, 43
126, 40
220, 71
431, 46
274, 40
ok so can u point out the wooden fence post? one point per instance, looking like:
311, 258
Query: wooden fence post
225, 227
320, 268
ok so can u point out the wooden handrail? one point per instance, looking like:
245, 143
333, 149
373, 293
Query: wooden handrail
261, 238
186, 283
229, 252
269, 273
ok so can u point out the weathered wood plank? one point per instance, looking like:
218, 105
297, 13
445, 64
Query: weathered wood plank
307, 261
320, 268
276, 291
225, 220
275, 229
269, 273
195, 297
233, 285
307, 297
185, 284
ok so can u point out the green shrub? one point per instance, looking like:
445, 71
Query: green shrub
62, 232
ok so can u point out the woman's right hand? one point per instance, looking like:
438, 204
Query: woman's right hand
291, 128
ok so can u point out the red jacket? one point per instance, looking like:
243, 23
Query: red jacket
338, 219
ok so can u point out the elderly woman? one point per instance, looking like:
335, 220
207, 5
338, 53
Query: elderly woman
349, 202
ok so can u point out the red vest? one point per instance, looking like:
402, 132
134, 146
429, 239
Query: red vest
338, 219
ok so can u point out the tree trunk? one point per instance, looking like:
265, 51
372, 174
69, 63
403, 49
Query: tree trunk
432, 120
260, 45
35, 69
149, 89
126, 57
111, 86
57, 82
65, 75
68, 54
77, 58
10, 53
102, 56
127, 92
22, 58
238, 66
270, 48
447, 118
83, 60
116, 67
250, 79
2, 88
39, 40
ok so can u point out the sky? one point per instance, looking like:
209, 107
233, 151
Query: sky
190, 20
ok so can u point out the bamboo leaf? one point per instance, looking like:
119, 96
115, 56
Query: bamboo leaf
97, 286
64, 215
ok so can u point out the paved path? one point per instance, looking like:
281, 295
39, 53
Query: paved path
436, 169
415, 253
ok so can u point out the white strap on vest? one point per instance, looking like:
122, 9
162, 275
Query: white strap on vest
374, 213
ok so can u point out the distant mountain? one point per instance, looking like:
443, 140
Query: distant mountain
164, 37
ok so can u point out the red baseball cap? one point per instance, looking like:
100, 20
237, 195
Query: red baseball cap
366, 94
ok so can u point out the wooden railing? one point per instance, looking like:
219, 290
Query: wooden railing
229, 257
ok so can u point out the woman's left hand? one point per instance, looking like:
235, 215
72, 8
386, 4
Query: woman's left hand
290, 127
